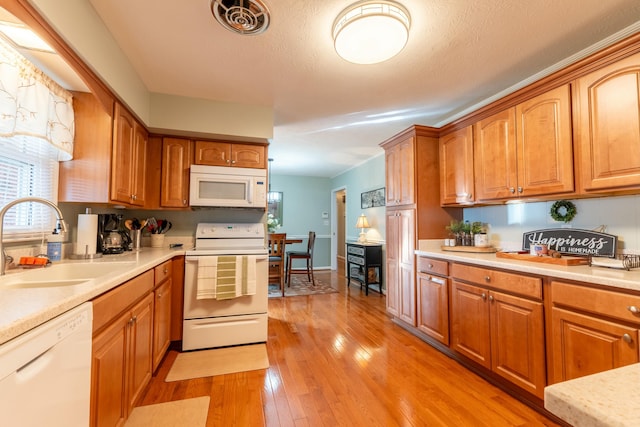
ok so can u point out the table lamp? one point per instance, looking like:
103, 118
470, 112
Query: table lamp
362, 224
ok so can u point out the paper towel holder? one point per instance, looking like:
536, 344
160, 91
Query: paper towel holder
86, 254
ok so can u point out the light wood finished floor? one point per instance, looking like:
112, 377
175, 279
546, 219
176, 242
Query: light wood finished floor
338, 360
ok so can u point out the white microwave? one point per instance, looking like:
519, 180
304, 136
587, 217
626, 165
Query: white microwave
224, 186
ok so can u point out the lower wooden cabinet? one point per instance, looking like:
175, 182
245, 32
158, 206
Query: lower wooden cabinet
501, 331
592, 330
162, 312
131, 333
121, 364
400, 274
433, 298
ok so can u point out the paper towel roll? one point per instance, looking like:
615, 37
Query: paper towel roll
87, 234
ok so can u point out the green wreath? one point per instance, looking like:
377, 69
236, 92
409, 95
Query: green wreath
563, 210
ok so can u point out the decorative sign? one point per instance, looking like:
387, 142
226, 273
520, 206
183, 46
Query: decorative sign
571, 241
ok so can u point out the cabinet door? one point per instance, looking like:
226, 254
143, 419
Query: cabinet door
495, 157
608, 127
545, 147
141, 333
212, 153
108, 374
433, 306
161, 322
139, 166
456, 167
584, 345
406, 266
470, 323
400, 173
122, 156
248, 156
176, 160
517, 341
393, 262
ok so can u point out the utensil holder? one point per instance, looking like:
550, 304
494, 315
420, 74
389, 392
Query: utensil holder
135, 239
157, 240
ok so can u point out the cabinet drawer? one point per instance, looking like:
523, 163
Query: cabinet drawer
508, 282
162, 272
357, 250
355, 259
609, 303
107, 306
433, 266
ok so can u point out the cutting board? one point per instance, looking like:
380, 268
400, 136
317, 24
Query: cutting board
474, 249
565, 260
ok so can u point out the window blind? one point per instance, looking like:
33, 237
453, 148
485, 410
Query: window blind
28, 168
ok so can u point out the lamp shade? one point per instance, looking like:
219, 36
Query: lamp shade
362, 222
369, 32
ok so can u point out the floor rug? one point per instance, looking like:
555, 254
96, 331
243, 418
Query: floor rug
218, 361
301, 286
179, 413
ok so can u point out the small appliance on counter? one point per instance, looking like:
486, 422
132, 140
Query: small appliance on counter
112, 238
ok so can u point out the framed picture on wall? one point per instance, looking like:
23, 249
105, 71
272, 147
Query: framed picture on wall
372, 199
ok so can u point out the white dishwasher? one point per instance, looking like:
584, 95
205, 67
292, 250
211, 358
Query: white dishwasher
45, 373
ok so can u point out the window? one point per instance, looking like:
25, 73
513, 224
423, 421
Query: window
28, 168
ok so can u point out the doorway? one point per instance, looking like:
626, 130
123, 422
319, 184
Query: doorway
338, 226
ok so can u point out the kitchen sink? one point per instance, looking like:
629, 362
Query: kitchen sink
65, 274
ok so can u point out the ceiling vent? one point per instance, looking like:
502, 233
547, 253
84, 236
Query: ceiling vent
241, 16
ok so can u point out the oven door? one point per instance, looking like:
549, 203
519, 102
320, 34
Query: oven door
247, 304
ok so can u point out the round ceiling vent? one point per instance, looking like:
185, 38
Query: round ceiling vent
241, 16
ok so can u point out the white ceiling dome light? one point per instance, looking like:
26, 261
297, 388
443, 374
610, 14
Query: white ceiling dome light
369, 32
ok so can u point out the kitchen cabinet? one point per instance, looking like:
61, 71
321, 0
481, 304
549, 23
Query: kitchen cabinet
497, 322
400, 178
214, 153
433, 298
121, 364
177, 157
456, 167
110, 156
607, 121
413, 212
526, 150
128, 166
592, 330
162, 311
401, 292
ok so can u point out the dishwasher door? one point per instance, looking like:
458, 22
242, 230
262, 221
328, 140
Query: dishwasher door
45, 373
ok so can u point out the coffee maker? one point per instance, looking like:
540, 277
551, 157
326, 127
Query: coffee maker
112, 238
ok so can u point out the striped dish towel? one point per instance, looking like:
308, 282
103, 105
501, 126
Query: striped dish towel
227, 278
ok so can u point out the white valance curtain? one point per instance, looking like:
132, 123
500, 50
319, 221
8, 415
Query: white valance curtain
33, 105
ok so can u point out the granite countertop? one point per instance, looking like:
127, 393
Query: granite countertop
606, 399
622, 279
22, 309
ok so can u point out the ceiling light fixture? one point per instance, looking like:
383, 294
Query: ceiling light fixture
369, 32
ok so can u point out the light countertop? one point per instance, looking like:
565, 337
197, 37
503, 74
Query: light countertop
583, 273
606, 399
23, 309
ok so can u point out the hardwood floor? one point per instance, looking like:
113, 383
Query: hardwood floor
337, 359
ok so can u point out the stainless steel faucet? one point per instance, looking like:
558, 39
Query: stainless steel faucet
5, 208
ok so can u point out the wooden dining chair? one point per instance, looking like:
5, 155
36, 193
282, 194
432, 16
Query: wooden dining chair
305, 255
277, 259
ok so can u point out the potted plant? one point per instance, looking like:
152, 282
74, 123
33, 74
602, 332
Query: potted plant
455, 231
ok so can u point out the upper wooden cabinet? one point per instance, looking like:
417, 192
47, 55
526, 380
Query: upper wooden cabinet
176, 159
110, 156
215, 153
607, 121
400, 177
456, 167
128, 166
526, 150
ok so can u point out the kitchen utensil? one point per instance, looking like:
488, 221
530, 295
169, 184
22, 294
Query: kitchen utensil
129, 224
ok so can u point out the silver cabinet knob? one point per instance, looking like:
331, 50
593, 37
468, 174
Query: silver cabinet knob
633, 309
512, 190
430, 266
491, 298
487, 278
520, 190
483, 296
627, 338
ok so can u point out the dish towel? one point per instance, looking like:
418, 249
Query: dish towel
249, 275
229, 277
207, 275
